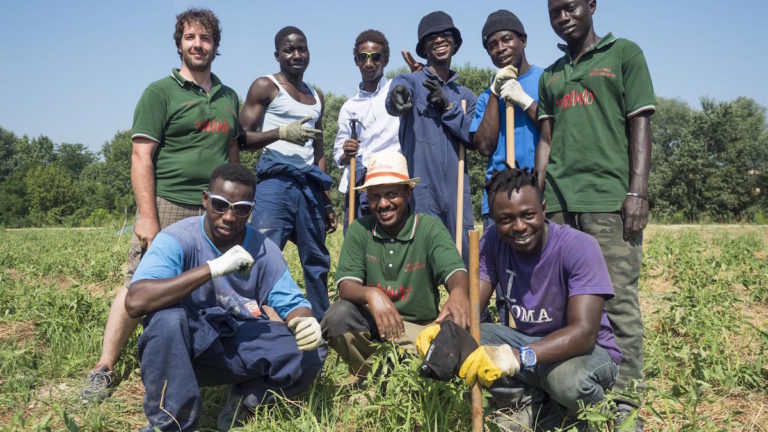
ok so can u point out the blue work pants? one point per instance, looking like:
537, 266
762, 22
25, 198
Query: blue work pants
282, 212
181, 350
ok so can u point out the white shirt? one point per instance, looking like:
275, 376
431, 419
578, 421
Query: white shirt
377, 130
282, 110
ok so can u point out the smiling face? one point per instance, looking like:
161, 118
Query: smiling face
371, 70
293, 54
520, 220
506, 48
440, 47
571, 19
226, 229
197, 48
389, 205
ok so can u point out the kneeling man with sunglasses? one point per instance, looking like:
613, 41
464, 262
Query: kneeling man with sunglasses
201, 288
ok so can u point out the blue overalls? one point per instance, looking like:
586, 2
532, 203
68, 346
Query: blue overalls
430, 142
290, 206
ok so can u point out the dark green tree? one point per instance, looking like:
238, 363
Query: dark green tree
74, 157
7, 152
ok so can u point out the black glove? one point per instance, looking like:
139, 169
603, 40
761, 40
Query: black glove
436, 96
400, 101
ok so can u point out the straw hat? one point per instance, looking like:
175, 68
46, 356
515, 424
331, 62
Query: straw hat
387, 168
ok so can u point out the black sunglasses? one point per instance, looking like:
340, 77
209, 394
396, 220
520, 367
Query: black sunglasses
445, 34
362, 57
220, 205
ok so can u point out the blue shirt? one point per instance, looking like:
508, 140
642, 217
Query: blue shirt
526, 132
184, 246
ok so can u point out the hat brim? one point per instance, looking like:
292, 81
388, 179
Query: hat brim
387, 181
438, 29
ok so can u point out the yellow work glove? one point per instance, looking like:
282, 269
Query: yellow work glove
295, 133
425, 338
488, 363
503, 75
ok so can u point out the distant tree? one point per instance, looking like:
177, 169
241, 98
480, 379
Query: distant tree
52, 193
333, 105
7, 152
35, 151
710, 162
74, 157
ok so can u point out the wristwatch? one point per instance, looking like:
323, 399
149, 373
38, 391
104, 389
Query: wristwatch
527, 358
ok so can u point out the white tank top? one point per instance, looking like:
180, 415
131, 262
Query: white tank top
283, 110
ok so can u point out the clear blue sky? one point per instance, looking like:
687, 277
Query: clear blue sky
73, 70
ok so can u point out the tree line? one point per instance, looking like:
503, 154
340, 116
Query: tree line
708, 164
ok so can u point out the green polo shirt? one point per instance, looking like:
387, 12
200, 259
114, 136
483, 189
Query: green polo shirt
590, 102
193, 130
409, 267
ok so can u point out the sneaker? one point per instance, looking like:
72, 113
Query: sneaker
524, 408
97, 388
234, 413
627, 418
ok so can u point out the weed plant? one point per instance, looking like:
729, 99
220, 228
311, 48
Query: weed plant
704, 296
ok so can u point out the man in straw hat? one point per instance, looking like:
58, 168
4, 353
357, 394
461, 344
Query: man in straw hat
390, 266
433, 124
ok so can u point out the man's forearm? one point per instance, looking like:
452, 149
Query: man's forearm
255, 140
148, 295
353, 291
531, 112
298, 312
486, 138
234, 151
640, 153
542, 152
143, 182
319, 154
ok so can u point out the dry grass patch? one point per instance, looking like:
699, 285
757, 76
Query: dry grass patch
16, 331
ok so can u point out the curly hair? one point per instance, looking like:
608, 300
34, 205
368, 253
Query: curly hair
235, 173
203, 17
510, 180
374, 36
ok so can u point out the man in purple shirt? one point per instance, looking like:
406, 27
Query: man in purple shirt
555, 342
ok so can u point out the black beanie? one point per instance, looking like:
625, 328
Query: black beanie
436, 22
502, 20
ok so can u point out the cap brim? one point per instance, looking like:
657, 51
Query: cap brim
383, 181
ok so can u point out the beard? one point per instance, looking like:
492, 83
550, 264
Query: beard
196, 65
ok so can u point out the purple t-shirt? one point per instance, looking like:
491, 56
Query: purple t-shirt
534, 290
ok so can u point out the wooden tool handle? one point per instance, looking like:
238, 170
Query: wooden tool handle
474, 321
510, 117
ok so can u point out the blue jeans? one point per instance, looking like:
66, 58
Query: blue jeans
182, 349
283, 213
585, 377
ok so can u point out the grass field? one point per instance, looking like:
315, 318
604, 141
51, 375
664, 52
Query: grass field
704, 293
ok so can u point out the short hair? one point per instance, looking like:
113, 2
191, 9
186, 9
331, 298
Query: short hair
510, 180
374, 36
204, 17
235, 173
285, 31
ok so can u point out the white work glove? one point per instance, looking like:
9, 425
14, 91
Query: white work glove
306, 330
503, 75
512, 92
296, 133
235, 259
488, 363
